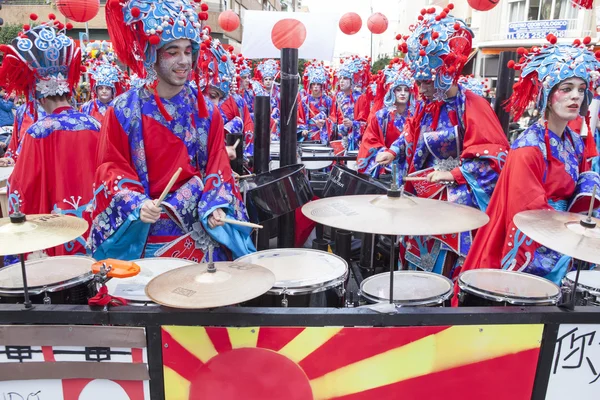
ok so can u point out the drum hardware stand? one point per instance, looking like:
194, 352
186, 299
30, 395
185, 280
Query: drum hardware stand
17, 217
587, 223
211, 265
394, 192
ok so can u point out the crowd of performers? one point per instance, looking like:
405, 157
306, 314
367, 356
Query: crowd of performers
109, 161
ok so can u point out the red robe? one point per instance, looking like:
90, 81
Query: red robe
56, 171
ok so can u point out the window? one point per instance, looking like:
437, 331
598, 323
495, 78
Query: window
563, 9
516, 11
540, 10
534, 10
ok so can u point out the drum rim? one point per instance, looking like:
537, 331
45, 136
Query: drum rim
580, 286
516, 300
359, 176
294, 169
49, 288
307, 289
426, 301
147, 300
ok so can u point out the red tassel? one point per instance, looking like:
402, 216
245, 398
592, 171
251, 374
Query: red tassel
547, 140
524, 92
161, 107
202, 108
74, 70
590, 143
125, 43
104, 299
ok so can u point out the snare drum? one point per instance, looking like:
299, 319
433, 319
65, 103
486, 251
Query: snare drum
411, 288
52, 280
134, 289
303, 278
497, 287
588, 287
309, 152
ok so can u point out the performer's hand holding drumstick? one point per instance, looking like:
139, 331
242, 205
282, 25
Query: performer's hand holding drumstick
384, 158
231, 150
150, 212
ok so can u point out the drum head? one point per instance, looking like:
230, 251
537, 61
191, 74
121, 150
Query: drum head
300, 269
589, 280
47, 272
316, 149
411, 288
134, 288
513, 287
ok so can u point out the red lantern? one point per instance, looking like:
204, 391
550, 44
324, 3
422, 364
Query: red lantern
229, 21
289, 33
483, 5
350, 23
377, 23
78, 10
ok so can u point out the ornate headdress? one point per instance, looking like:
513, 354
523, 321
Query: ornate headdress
396, 74
136, 82
438, 48
138, 28
107, 74
472, 84
316, 72
542, 68
357, 69
217, 67
267, 69
243, 66
41, 61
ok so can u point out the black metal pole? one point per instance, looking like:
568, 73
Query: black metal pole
289, 126
262, 140
237, 165
504, 87
392, 258
27, 302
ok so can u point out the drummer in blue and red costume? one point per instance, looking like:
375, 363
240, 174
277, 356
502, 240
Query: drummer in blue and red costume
151, 132
397, 93
266, 72
315, 107
352, 78
547, 167
454, 140
55, 171
107, 82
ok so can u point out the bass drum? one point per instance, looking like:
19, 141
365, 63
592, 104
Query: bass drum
303, 278
588, 287
278, 192
497, 287
52, 280
411, 289
344, 181
133, 289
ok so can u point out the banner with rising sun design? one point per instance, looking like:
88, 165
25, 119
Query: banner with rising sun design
296, 363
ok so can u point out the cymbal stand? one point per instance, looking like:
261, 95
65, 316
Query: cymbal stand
588, 223
211, 265
394, 192
17, 217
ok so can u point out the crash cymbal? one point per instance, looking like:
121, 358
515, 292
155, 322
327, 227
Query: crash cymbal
562, 232
39, 232
193, 287
380, 214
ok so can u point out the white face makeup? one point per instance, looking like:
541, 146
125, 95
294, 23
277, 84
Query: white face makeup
426, 89
566, 99
105, 94
402, 94
214, 95
268, 83
175, 62
316, 89
345, 83
245, 82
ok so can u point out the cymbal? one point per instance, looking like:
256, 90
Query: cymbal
39, 232
562, 232
380, 214
193, 287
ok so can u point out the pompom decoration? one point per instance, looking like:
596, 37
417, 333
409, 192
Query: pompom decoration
203, 16
587, 40
350, 23
51, 16
587, 4
377, 23
204, 7
483, 5
33, 17
135, 12
69, 26
78, 10
154, 40
229, 21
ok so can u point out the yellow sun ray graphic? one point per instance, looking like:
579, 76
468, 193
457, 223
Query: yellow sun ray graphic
308, 341
178, 386
462, 345
243, 337
194, 339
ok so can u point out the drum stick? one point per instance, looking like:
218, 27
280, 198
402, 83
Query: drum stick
236, 144
168, 187
415, 178
241, 223
246, 176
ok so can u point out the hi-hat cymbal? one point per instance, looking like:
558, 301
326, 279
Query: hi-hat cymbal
380, 214
39, 232
193, 287
562, 232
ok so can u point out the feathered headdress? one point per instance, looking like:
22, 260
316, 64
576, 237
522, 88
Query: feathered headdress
41, 61
438, 48
542, 68
316, 72
355, 68
138, 28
